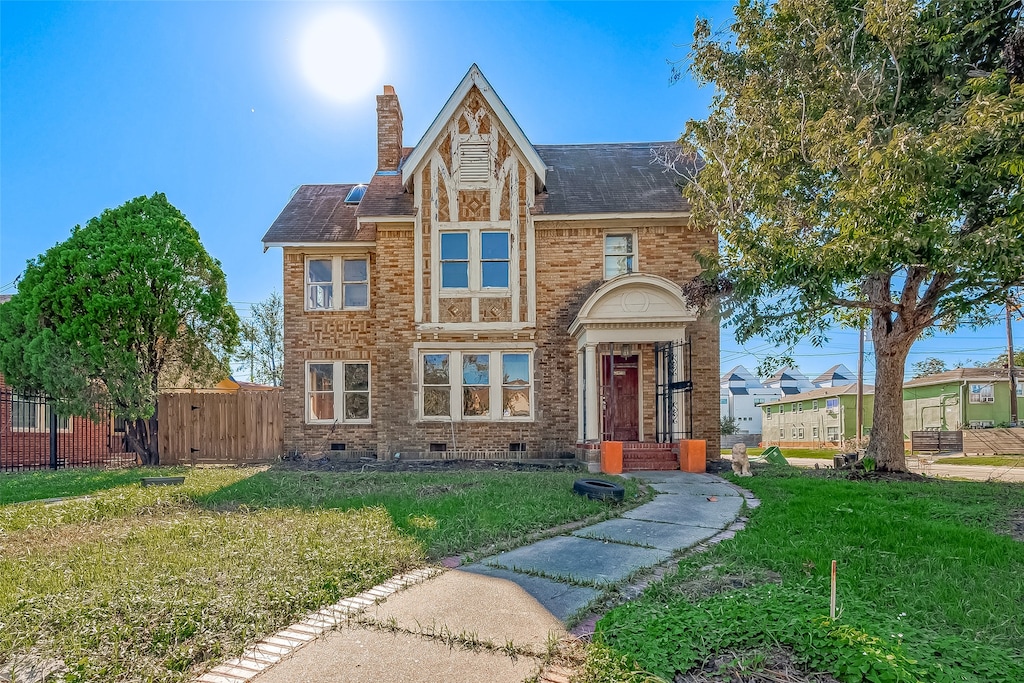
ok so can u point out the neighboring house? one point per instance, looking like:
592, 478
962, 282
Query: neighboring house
961, 398
484, 293
835, 376
820, 417
789, 381
741, 397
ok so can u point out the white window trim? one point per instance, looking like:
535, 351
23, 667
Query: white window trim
982, 397
337, 281
814, 405
604, 253
475, 229
455, 384
339, 392
42, 417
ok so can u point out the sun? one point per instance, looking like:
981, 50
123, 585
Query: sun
342, 56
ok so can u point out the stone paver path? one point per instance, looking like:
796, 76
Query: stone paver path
493, 620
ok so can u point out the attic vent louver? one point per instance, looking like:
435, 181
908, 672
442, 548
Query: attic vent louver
355, 194
474, 162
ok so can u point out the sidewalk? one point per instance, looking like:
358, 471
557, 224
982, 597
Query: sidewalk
494, 620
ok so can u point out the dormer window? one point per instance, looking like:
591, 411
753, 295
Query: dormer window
355, 194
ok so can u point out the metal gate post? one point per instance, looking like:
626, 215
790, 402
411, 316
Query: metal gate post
53, 437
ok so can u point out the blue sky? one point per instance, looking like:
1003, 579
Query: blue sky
207, 102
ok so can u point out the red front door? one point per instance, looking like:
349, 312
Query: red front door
620, 394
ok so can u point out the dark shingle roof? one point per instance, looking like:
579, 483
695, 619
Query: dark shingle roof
611, 178
316, 213
386, 196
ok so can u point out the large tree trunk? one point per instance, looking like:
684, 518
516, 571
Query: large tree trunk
142, 437
886, 444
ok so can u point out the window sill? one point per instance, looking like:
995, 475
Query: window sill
354, 423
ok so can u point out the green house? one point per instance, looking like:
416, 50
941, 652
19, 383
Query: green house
961, 398
817, 418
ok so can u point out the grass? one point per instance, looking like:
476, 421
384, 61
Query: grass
819, 453
155, 583
991, 460
929, 590
15, 488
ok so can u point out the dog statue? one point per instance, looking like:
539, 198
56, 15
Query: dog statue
740, 461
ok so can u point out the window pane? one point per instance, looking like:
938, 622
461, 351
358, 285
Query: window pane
455, 246
515, 402
320, 270
494, 246
321, 377
435, 368
495, 274
355, 271
321, 406
356, 296
436, 401
618, 244
476, 368
617, 265
25, 413
476, 401
357, 406
515, 368
357, 377
455, 274
321, 296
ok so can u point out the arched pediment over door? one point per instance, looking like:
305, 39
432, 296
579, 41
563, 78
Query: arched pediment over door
633, 308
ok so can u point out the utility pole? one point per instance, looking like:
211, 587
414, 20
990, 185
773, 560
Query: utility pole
1009, 363
860, 386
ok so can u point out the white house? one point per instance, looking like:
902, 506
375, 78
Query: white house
741, 397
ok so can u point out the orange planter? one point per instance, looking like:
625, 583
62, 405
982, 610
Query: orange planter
693, 455
611, 457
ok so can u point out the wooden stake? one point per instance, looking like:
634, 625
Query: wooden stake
832, 603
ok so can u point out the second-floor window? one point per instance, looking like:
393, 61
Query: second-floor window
475, 260
337, 283
619, 255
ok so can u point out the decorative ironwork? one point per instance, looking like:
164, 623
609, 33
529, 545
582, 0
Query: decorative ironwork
673, 404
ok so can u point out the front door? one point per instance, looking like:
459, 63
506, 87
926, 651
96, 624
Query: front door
620, 394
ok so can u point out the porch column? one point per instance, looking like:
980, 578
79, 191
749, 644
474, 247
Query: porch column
593, 404
581, 396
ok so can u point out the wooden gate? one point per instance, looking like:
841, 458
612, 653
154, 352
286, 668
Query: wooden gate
220, 429
936, 442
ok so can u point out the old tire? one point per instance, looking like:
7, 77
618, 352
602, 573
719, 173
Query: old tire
598, 489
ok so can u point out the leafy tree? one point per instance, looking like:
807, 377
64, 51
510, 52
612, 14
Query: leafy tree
929, 366
860, 160
729, 425
262, 341
128, 302
1000, 360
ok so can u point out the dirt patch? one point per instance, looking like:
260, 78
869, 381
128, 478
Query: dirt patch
327, 463
1015, 526
768, 666
861, 475
708, 582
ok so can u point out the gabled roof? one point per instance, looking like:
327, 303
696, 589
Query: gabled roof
965, 375
611, 178
824, 392
473, 77
840, 372
317, 213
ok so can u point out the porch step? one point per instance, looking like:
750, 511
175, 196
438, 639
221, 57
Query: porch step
638, 457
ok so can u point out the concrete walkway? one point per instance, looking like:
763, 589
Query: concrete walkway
495, 619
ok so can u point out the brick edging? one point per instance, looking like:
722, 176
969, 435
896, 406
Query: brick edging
284, 643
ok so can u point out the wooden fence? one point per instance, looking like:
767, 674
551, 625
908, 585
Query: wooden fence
220, 429
934, 441
994, 441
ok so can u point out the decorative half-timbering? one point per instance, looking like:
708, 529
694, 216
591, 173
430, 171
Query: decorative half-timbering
482, 295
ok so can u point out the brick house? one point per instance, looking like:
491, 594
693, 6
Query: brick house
481, 293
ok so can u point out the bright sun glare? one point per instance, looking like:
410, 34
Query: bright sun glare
342, 56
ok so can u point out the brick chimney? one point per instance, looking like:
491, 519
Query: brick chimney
389, 130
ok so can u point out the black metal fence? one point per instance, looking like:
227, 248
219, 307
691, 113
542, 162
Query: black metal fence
33, 436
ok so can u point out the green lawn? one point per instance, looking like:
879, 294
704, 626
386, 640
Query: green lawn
15, 488
929, 587
991, 460
819, 453
152, 584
